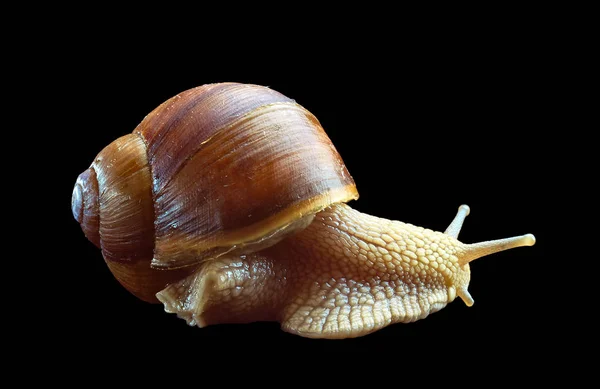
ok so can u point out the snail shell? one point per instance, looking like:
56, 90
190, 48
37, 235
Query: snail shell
220, 168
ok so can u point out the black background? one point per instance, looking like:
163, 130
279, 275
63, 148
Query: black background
424, 123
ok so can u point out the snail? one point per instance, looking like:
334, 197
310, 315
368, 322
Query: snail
228, 204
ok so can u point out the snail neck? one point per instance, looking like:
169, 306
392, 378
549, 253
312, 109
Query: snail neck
369, 242
346, 243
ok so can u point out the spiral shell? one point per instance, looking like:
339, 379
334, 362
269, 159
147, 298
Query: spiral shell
220, 168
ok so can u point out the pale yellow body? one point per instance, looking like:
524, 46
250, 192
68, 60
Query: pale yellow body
346, 275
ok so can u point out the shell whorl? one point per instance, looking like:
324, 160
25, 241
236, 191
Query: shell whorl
85, 207
235, 167
125, 207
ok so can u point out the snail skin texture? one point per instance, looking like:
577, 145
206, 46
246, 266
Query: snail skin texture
227, 204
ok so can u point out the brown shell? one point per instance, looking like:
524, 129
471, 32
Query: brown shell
216, 169
234, 165
125, 200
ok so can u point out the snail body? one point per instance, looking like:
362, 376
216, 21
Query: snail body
227, 204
